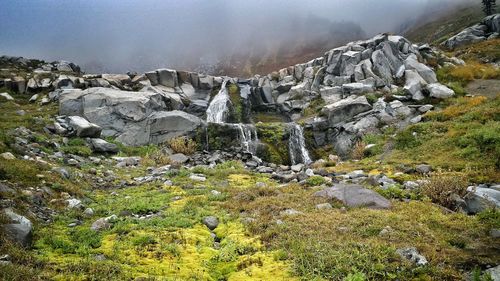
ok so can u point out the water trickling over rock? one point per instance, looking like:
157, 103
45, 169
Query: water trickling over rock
219, 108
297, 145
248, 137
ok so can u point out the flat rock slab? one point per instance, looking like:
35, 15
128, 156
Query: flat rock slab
353, 195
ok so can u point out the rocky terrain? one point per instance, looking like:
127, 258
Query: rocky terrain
374, 161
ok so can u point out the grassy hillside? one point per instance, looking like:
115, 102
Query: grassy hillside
442, 26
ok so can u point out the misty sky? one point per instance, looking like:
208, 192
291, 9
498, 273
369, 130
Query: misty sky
122, 35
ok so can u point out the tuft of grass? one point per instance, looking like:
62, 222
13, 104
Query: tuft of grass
358, 150
464, 74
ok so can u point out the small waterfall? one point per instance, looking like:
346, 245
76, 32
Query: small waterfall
218, 109
297, 145
248, 137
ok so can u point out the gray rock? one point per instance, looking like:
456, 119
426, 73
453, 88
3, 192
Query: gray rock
133, 118
290, 212
100, 145
179, 158
19, 229
211, 222
74, 203
412, 255
439, 91
103, 223
324, 206
7, 156
88, 212
494, 273
6, 96
195, 177
470, 35
382, 67
167, 77
84, 128
34, 98
495, 233
356, 89
345, 109
355, 196
412, 63
297, 167
414, 84
117, 80
425, 108
480, 199
423, 168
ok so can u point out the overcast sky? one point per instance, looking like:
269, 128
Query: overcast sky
123, 35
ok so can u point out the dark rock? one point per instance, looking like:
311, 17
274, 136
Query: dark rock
211, 222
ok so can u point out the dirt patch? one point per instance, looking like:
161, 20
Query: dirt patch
487, 88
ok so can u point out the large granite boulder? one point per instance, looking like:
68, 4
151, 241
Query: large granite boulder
355, 196
134, 118
345, 109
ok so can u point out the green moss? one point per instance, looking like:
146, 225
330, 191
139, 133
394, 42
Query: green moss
21, 171
315, 181
234, 96
274, 136
314, 107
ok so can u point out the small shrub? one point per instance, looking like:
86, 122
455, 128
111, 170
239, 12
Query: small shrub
315, 181
440, 186
183, 145
406, 139
396, 192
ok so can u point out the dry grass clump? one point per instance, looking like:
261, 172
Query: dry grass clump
358, 150
463, 105
441, 185
156, 157
183, 145
473, 70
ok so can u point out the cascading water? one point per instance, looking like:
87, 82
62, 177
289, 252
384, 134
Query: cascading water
218, 110
248, 137
297, 145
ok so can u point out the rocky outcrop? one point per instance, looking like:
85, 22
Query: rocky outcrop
134, 118
488, 28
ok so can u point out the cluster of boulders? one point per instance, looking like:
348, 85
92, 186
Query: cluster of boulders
488, 28
40, 75
154, 107
139, 109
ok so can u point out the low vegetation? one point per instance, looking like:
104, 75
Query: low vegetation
183, 145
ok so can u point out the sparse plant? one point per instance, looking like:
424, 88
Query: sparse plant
183, 145
358, 151
440, 187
